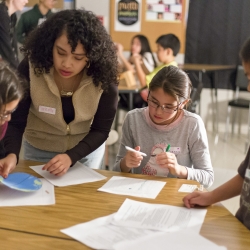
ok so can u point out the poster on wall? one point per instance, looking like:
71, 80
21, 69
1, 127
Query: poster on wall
164, 10
128, 15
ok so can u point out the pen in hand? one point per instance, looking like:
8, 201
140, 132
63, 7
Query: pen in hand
168, 147
133, 150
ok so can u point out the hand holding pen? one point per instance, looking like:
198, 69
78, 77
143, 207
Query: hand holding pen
133, 157
168, 160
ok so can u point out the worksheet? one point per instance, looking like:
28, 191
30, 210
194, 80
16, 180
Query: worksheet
100, 234
77, 174
136, 214
132, 186
186, 239
11, 197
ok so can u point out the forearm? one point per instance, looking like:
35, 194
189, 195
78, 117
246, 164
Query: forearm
140, 73
228, 190
123, 166
126, 63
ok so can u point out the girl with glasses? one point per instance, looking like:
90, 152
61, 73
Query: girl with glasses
71, 67
174, 140
11, 92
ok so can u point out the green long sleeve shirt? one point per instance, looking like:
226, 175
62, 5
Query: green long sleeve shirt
29, 20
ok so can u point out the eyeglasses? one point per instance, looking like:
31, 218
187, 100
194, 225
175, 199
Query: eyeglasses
5, 115
164, 108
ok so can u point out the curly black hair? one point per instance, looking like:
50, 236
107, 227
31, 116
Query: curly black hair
80, 25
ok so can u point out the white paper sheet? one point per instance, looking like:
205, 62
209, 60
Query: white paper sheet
44, 196
100, 234
77, 174
186, 239
187, 188
158, 217
133, 187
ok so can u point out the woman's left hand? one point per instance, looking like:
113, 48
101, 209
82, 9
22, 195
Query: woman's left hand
168, 160
58, 165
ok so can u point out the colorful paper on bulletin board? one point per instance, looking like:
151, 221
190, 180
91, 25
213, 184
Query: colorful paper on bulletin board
164, 10
128, 15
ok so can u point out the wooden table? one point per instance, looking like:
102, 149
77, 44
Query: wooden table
81, 203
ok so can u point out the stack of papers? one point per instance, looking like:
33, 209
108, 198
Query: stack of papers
139, 225
77, 174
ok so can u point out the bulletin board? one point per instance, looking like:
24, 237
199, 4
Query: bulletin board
58, 5
152, 30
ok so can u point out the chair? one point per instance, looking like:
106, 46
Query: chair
195, 98
237, 102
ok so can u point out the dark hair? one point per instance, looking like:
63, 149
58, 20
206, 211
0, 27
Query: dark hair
169, 41
11, 88
81, 26
173, 81
245, 51
145, 47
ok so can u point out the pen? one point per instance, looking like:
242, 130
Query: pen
133, 150
168, 147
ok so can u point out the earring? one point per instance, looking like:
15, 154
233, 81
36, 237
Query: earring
88, 65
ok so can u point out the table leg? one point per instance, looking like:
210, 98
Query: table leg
130, 104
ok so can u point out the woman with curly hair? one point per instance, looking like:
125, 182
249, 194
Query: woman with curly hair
71, 65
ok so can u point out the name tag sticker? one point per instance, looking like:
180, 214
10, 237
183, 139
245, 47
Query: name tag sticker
247, 175
175, 150
47, 110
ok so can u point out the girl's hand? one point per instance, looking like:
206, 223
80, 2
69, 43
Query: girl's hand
7, 165
168, 160
58, 165
136, 58
133, 159
198, 198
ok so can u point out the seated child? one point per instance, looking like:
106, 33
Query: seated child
238, 185
11, 91
164, 122
140, 48
168, 47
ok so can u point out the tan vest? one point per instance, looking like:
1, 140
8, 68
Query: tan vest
50, 132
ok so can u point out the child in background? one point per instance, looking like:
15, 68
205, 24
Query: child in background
71, 101
238, 185
164, 122
139, 47
11, 92
168, 47
30, 19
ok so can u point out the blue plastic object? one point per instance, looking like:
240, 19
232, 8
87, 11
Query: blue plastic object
22, 182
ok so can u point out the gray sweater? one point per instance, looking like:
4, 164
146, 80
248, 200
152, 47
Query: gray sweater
188, 140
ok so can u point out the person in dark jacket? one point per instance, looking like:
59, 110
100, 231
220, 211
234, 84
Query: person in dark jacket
8, 43
30, 19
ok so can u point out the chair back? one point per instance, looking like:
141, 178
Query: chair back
195, 97
241, 81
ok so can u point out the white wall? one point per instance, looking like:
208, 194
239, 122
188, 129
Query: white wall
99, 7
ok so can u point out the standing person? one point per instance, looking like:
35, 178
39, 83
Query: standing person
8, 43
174, 140
71, 66
11, 92
238, 185
141, 48
30, 19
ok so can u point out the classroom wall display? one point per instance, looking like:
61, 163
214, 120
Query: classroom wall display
151, 29
128, 15
164, 10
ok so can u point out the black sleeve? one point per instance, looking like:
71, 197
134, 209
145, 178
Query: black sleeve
6, 49
13, 137
100, 127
